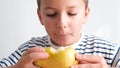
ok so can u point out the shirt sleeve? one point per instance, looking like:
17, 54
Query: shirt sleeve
16, 55
12, 59
116, 60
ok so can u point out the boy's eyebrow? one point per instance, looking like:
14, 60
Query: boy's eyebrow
69, 7
73, 6
48, 8
54, 8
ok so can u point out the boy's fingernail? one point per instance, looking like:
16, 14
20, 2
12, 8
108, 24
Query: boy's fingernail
78, 55
47, 54
72, 67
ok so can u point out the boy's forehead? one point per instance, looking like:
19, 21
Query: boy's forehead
61, 3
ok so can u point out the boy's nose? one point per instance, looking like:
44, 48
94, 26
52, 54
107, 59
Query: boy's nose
62, 21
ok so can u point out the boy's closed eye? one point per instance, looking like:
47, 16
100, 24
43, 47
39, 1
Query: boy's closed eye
51, 15
72, 14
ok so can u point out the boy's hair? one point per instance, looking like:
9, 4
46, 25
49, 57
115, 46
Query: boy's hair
85, 1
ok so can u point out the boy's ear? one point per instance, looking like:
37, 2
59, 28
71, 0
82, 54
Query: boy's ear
39, 16
87, 11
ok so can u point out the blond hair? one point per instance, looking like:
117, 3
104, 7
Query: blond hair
85, 1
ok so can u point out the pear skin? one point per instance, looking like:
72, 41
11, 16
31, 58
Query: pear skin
61, 58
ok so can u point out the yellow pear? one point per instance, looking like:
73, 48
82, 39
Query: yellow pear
60, 58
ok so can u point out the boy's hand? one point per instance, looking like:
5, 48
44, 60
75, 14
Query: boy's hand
31, 55
90, 61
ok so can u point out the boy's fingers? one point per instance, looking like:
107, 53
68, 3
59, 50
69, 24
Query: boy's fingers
30, 58
37, 55
89, 58
34, 49
86, 66
33, 54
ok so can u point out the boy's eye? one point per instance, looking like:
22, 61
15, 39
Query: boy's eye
51, 15
72, 14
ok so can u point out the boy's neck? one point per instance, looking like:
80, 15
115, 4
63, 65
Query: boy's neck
55, 45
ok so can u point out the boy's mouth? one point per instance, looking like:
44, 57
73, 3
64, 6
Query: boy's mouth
65, 34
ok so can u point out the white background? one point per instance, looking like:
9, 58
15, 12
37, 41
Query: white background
19, 22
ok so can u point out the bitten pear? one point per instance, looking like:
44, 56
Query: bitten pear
60, 58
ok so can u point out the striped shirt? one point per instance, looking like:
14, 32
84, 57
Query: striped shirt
86, 45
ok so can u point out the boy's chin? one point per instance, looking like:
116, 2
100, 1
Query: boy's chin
63, 43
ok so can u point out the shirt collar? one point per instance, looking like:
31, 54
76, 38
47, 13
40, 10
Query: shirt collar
75, 45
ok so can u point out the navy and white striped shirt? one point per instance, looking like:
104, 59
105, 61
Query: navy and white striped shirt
86, 45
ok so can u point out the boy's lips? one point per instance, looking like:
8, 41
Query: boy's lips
62, 35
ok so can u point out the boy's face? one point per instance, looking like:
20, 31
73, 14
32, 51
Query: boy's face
63, 19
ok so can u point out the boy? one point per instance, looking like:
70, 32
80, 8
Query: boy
63, 20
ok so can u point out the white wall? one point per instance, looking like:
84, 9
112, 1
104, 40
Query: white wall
104, 19
19, 22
